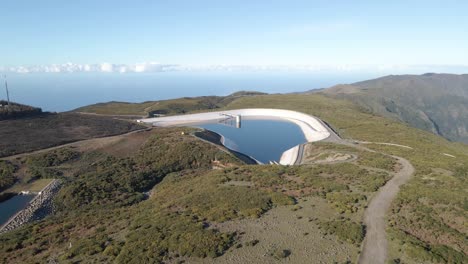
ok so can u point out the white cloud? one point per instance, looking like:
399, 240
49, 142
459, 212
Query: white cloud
23, 70
123, 69
100, 67
139, 68
158, 67
107, 67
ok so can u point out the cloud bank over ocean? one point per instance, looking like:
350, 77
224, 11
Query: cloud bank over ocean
99, 67
155, 67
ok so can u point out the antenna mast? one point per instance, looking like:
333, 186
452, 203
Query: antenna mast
6, 88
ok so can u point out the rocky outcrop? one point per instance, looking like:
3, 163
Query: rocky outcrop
38, 208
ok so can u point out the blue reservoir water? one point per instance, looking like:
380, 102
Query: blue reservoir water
13, 205
264, 140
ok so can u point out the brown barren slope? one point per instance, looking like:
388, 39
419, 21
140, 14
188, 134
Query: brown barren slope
48, 130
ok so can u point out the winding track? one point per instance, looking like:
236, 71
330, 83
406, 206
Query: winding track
375, 246
374, 249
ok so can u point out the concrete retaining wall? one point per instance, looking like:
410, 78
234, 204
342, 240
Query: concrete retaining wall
289, 157
312, 127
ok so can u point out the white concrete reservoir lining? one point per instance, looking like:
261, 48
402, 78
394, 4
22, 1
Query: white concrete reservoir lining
312, 127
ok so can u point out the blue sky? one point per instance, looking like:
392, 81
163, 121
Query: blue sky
239, 32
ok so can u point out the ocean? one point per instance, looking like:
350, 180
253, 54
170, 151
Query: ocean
58, 92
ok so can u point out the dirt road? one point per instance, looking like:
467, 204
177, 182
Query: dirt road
375, 243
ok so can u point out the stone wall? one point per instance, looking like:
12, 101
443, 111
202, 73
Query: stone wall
38, 208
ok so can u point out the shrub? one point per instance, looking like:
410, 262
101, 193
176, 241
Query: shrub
53, 158
281, 253
6, 174
376, 160
345, 230
345, 202
154, 235
252, 243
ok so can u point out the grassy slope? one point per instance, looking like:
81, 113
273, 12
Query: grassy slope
121, 227
434, 102
117, 108
431, 210
101, 204
174, 106
165, 107
103, 215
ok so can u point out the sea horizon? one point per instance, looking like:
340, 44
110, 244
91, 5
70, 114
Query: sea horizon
60, 92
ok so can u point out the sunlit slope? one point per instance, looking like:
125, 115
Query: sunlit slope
205, 206
163, 107
352, 121
429, 216
433, 102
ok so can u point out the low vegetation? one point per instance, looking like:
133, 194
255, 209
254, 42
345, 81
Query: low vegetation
53, 158
48, 130
104, 212
165, 200
6, 174
14, 110
154, 237
376, 160
345, 229
101, 206
425, 252
164, 107
420, 100
280, 253
433, 191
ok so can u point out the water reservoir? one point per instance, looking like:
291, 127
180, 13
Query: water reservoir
263, 139
13, 205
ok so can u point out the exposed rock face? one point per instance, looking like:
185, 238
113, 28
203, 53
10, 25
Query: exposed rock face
37, 209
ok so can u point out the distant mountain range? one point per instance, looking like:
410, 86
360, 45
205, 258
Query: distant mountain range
433, 102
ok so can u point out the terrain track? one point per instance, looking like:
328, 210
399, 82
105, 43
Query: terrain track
374, 249
375, 246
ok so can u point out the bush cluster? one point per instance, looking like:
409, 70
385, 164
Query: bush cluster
6, 174
345, 230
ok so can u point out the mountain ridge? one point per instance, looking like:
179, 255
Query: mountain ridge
432, 101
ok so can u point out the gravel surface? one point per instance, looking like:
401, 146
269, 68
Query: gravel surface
375, 244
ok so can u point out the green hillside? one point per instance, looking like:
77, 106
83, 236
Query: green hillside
205, 205
431, 210
164, 107
433, 102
